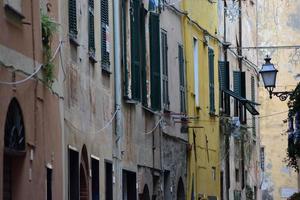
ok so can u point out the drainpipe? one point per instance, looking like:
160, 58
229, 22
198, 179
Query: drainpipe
118, 123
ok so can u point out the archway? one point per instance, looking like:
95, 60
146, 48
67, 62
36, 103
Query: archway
145, 195
180, 190
14, 149
84, 181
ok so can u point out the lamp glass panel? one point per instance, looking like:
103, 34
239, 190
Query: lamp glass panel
269, 78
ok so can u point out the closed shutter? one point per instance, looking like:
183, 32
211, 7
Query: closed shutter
104, 35
72, 19
253, 99
182, 80
135, 50
143, 13
211, 81
91, 27
155, 61
164, 49
224, 75
237, 82
243, 84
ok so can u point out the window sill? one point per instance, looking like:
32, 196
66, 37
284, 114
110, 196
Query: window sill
106, 71
131, 101
92, 57
10, 10
73, 40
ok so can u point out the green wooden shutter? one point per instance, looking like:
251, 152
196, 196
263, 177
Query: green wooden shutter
155, 61
224, 74
72, 19
104, 33
143, 13
91, 27
164, 49
237, 82
135, 50
211, 80
181, 80
124, 48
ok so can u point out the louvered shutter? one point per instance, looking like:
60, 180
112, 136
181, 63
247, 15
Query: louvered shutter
72, 19
91, 27
135, 50
104, 35
211, 81
224, 74
155, 61
143, 55
182, 80
237, 82
164, 49
243, 84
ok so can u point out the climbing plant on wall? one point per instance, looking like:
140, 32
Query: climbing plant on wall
49, 27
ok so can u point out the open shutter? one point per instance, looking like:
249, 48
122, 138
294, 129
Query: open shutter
155, 61
182, 80
135, 50
91, 27
104, 35
164, 49
211, 80
143, 13
72, 19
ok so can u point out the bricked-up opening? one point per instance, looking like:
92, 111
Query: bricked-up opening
49, 183
129, 185
180, 190
95, 179
73, 175
108, 181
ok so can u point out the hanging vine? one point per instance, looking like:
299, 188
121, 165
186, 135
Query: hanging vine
49, 27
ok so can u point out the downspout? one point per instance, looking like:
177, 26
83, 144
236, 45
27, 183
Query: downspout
227, 146
240, 59
117, 169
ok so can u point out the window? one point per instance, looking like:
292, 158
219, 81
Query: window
182, 80
105, 63
211, 66
165, 81
196, 72
72, 20
239, 84
262, 158
237, 175
213, 172
73, 175
155, 61
49, 183
91, 42
108, 181
95, 179
14, 7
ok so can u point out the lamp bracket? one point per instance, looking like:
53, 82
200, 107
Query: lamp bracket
281, 95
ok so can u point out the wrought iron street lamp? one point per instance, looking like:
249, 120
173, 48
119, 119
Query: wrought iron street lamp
269, 73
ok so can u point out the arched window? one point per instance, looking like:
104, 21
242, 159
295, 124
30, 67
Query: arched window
14, 138
146, 194
180, 190
84, 174
14, 146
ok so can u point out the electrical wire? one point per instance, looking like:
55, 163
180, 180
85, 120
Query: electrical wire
34, 73
154, 128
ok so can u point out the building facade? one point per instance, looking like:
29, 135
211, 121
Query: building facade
274, 25
31, 134
239, 135
200, 25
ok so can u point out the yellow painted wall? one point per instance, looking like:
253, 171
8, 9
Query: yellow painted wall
203, 156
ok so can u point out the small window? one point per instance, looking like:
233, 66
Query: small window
14, 7
237, 175
213, 173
